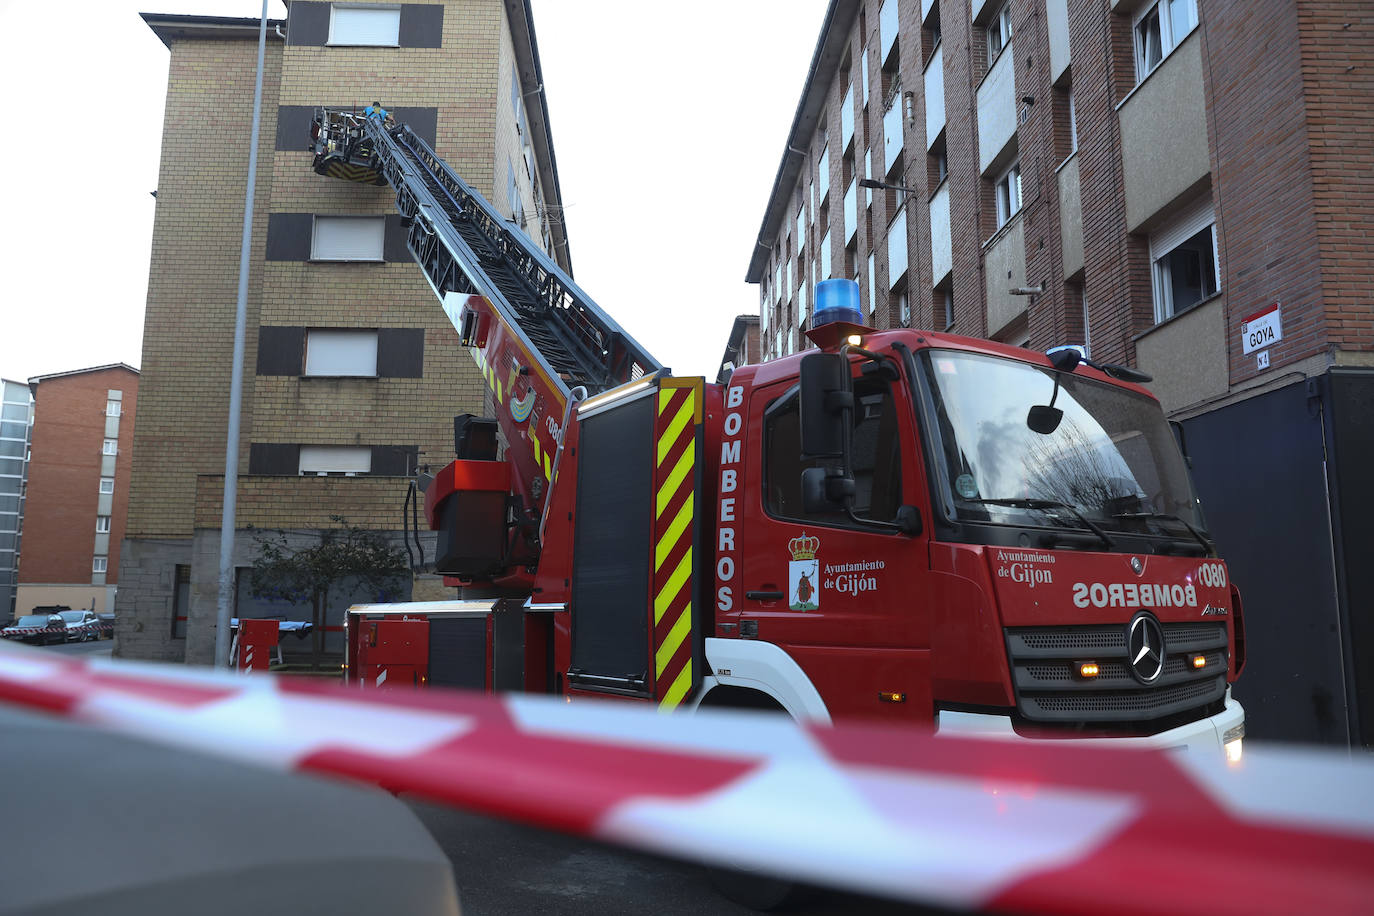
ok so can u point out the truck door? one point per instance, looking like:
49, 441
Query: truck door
844, 600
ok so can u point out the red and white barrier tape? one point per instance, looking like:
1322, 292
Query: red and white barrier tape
1029, 828
12, 633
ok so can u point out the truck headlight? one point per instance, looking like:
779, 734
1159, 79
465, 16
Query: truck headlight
1231, 742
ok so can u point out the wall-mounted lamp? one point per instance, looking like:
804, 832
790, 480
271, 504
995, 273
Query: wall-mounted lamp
909, 103
875, 185
1028, 99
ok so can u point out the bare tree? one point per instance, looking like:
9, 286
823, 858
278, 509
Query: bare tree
282, 571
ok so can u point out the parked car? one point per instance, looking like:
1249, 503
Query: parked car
80, 625
38, 628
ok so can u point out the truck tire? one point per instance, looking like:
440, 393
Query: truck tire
756, 890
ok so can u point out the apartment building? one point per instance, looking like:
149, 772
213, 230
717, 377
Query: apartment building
742, 347
16, 422
352, 374
1184, 186
78, 491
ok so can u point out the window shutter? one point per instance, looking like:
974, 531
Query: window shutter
273, 458
394, 460
307, 24
288, 236
422, 26
394, 239
401, 352
280, 350
1188, 222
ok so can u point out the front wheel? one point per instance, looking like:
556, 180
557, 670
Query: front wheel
756, 890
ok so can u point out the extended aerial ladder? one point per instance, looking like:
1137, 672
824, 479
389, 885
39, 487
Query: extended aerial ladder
541, 342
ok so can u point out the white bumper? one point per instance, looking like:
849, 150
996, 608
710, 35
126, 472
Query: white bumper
1205, 736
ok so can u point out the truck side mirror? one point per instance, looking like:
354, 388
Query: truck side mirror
826, 400
826, 490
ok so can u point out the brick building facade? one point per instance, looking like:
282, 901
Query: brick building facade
352, 373
1179, 185
77, 499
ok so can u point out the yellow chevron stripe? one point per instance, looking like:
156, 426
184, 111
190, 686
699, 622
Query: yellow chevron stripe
664, 396
669, 437
548, 468
676, 635
678, 691
668, 542
675, 479
534, 446
668, 593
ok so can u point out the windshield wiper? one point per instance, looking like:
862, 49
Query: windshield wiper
1201, 538
1042, 504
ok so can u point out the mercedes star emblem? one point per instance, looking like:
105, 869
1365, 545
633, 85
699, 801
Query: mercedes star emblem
1145, 645
1136, 565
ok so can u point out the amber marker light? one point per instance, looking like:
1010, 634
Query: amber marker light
888, 696
1088, 669
854, 340
1199, 661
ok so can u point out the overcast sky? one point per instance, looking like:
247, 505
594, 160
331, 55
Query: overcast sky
668, 119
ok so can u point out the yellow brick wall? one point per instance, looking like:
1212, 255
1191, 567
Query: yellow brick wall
304, 502
193, 276
194, 270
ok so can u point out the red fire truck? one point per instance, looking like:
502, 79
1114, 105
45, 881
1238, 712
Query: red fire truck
898, 525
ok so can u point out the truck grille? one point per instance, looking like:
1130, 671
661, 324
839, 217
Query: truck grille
1044, 666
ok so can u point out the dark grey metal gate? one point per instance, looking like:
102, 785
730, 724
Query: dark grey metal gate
1260, 470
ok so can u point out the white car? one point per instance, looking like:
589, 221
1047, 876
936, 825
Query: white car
81, 625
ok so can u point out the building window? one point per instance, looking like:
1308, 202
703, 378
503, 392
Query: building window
98, 564
1159, 28
1183, 256
341, 353
370, 26
999, 32
102, 524
347, 238
1008, 194
111, 447
181, 602
335, 460
107, 485
112, 408
1073, 124
944, 306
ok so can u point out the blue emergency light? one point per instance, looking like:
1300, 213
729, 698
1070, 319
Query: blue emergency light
837, 300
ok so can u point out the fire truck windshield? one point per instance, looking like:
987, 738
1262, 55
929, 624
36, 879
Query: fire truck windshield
1111, 462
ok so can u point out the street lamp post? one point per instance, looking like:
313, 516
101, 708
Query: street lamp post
231, 446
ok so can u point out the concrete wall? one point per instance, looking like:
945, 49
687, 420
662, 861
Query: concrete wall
1070, 218
1187, 356
997, 112
99, 598
1164, 136
143, 609
1057, 25
934, 83
941, 257
1005, 261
